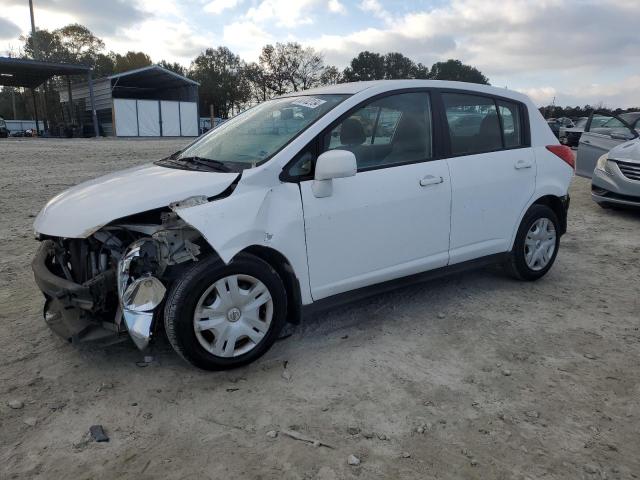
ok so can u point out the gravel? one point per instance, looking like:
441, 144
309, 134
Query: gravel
398, 355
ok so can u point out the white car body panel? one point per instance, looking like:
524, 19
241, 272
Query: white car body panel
627, 151
377, 225
253, 215
489, 192
82, 210
353, 237
553, 176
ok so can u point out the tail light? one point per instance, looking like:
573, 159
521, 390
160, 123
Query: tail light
564, 153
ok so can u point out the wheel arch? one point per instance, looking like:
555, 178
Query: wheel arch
556, 204
553, 200
285, 271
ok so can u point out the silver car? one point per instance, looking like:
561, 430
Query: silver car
601, 135
616, 177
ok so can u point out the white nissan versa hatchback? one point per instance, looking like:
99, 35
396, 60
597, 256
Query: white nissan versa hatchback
301, 202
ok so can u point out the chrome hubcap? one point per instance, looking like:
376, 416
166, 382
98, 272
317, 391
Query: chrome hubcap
233, 315
540, 244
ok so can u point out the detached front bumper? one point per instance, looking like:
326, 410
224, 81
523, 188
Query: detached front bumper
77, 312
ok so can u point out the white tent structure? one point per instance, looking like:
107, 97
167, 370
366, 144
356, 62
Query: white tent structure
146, 102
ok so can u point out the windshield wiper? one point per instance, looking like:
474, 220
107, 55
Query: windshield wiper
207, 162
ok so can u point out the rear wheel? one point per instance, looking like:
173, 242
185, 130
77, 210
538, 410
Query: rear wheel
536, 245
224, 316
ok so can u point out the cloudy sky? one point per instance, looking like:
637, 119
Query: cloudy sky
579, 51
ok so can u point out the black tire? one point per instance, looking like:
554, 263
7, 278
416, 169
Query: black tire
185, 293
517, 266
607, 206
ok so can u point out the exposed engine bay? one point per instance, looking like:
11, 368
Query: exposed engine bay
114, 280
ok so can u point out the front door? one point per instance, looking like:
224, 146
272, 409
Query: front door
392, 218
601, 134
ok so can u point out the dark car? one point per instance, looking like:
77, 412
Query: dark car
4, 131
570, 136
555, 124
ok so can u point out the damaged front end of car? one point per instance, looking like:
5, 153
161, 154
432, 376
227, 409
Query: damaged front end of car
114, 281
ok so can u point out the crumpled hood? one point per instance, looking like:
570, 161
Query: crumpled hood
627, 151
82, 210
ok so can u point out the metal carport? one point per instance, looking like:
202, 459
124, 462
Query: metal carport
20, 72
145, 102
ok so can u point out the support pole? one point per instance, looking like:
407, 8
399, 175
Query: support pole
70, 99
45, 109
33, 32
13, 102
35, 109
94, 114
212, 115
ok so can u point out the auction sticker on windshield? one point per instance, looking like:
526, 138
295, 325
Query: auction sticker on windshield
310, 102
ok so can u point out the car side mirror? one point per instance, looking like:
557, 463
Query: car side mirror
330, 165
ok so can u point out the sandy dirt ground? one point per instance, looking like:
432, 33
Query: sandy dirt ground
472, 376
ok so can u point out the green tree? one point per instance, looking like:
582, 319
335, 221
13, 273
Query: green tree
366, 66
174, 67
305, 66
274, 69
331, 76
258, 81
80, 42
130, 61
103, 65
457, 71
397, 66
46, 46
289, 67
421, 71
222, 84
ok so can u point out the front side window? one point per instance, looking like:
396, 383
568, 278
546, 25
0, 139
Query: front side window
255, 135
391, 130
473, 121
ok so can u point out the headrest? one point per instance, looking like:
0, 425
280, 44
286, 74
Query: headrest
352, 132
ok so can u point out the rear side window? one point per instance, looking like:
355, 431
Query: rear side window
481, 124
473, 121
511, 129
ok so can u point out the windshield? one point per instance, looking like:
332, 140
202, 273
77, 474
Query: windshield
257, 134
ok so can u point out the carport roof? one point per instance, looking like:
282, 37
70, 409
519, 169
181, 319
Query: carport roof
20, 72
153, 76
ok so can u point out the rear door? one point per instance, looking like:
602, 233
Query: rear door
601, 134
492, 170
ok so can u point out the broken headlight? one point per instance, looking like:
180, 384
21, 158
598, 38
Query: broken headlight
139, 289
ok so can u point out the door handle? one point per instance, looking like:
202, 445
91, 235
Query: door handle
520, 164
588, 142
430, 180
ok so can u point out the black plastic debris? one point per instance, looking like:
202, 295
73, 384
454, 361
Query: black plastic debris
97, 433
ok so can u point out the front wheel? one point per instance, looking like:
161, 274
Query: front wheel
220, 316
536, 244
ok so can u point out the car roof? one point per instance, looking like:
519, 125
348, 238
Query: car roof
381, 86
